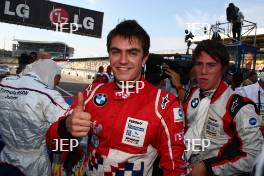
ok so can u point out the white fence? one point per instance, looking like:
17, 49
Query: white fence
85, 75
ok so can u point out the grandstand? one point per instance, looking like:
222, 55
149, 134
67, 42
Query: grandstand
58, 50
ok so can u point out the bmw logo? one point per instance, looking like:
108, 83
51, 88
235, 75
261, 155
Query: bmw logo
180, 113
194, 102
100, 99
252, 121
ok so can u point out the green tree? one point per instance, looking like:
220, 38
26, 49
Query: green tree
5, 53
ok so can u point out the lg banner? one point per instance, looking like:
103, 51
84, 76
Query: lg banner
52, 16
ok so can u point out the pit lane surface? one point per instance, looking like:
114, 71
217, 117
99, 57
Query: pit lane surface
70, 87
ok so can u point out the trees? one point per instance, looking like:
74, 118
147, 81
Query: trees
5, 53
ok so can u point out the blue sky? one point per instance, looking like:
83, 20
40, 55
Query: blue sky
164, 20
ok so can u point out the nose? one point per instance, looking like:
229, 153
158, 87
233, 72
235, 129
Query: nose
123, 58
204, 69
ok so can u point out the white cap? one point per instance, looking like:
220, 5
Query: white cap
261, 76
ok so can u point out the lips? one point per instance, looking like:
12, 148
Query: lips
203, 80
123, 68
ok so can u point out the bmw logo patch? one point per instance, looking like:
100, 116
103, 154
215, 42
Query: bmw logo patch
252, 121
180, 113
194, 102
100, 99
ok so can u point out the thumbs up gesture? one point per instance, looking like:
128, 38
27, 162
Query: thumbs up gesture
79, 122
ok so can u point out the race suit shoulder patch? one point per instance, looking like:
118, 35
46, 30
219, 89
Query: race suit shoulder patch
236, 103
165, 101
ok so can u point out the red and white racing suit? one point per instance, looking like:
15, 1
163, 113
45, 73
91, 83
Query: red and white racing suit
232, 126
129, 130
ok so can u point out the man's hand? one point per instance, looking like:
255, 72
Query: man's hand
174, 77
198, 169
79, 122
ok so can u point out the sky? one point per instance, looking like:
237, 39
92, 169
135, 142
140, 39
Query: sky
164, 20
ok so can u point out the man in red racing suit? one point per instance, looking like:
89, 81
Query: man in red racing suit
127, 126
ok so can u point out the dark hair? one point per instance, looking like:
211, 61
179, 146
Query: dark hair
231, 5
237, 80
215, 49
101, 68
33, 53
252, 73
129, 29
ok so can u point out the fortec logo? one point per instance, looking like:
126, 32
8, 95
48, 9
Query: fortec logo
135, 122
60, 18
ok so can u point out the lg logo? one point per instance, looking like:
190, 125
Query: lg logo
58, 16
22, 10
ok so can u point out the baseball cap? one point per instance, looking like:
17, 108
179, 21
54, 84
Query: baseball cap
261, 76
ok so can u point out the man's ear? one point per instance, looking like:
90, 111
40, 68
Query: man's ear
145, 58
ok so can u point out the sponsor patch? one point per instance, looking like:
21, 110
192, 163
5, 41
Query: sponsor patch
194, 102
234, 105
251, 122
178, 115
262, 117
12, 94
135, 132
212, 128
100, 99
124, 95
165, 101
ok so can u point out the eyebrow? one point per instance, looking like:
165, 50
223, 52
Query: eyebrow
129, 50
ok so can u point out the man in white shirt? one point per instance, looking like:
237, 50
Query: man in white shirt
256, 93
28, 106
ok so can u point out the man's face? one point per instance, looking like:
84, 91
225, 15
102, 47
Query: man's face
208, 71
57, 80
126, 58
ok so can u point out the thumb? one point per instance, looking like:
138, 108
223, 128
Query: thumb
79, 105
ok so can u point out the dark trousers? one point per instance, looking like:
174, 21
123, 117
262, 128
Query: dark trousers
236, 29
